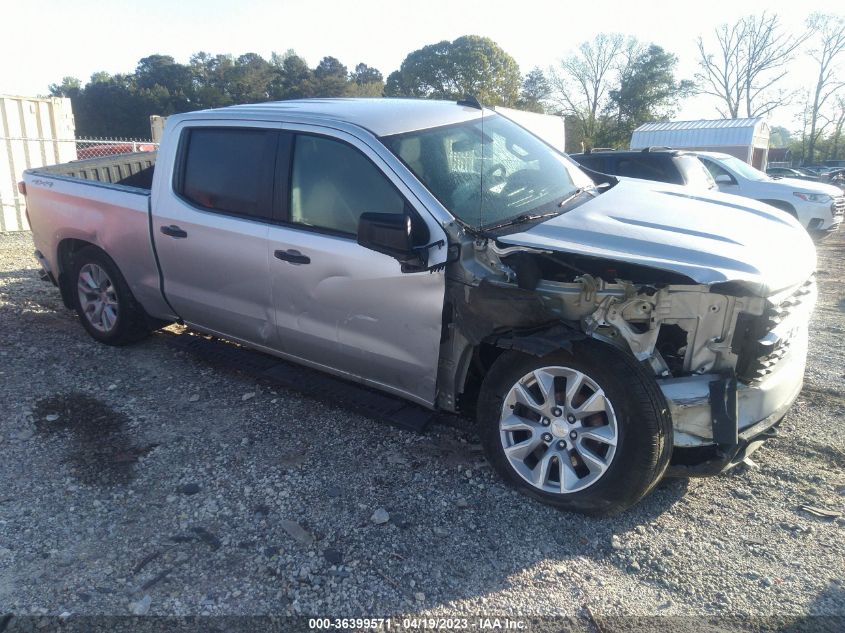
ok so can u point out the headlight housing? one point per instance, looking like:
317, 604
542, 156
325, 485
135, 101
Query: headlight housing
821, 198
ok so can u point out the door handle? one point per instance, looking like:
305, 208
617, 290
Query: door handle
292, 256
174, 231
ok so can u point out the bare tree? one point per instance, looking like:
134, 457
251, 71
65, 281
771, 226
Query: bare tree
722, 76
803, 117
582, 80
753, 54
839, 124
828, 51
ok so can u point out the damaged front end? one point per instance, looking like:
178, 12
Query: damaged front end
728, 362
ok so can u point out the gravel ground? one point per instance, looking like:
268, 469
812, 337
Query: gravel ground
142, 480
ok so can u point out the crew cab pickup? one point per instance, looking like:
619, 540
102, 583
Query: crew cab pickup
600, 331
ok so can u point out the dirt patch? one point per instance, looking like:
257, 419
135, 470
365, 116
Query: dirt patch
824, 396
833, 456
98, 448
200, 527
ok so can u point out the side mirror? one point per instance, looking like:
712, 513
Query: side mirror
390, 234
724, 179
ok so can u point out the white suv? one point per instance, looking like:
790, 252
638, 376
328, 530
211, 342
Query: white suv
818, 207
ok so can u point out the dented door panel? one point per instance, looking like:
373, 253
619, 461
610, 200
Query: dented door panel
353, 311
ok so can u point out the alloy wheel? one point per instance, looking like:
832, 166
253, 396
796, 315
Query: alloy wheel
558, 430
97, 297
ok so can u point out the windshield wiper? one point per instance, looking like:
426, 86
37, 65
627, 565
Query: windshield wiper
521, 219
577, 192
530, 217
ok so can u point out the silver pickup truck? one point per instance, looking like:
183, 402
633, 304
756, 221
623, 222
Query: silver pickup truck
601, 330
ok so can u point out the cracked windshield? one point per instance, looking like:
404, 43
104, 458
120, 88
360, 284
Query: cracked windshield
488, 170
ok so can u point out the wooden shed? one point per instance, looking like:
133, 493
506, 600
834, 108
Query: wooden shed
747, 139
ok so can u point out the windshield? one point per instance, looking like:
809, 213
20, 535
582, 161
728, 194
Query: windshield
742, 168
488, 170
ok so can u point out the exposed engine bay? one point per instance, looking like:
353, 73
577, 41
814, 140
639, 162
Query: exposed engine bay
688, 334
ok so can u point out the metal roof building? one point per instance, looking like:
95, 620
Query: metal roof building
747, 139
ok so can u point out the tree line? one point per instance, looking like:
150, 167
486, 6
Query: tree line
604, 88
121, 104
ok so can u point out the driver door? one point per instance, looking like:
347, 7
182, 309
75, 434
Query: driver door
339, 306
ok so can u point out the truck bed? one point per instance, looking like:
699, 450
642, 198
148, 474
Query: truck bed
127, 170
100, 201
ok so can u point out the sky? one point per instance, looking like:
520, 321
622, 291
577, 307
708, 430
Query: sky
52, 39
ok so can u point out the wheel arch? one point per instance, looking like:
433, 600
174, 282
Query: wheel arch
137, 323
783, 206
473, 361
64, 256
67, 248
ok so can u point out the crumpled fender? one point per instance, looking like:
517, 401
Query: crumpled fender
543, 342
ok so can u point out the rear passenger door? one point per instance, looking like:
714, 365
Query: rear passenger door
210, 226
340, 306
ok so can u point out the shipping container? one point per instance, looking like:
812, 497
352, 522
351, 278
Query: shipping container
34, 132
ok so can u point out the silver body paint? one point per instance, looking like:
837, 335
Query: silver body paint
352, 312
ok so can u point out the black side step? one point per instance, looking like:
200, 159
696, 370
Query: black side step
310, 382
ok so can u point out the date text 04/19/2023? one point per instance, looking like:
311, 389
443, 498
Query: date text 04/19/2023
419, 624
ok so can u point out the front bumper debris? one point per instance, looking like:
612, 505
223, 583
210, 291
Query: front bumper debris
721, 420
721, 457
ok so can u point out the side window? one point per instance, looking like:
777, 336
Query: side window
229, 170
671, 170
645, 168
332, 184
593, 162
716, 170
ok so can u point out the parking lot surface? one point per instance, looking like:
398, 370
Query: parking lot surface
143, 480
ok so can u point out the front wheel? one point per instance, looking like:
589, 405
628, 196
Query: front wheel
587, 431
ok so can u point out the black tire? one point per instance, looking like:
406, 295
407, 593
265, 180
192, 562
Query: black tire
131, 324
644, 427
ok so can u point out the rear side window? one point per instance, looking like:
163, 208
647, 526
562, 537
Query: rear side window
694, 172
648, 168
229, 170
332, 184
593, 162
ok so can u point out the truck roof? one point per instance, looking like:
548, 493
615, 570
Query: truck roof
711, 154
382, 117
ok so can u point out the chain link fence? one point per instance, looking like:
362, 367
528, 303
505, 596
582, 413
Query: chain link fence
18, 154
100, 147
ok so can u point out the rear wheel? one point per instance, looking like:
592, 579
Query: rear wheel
103, 301
587, 431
